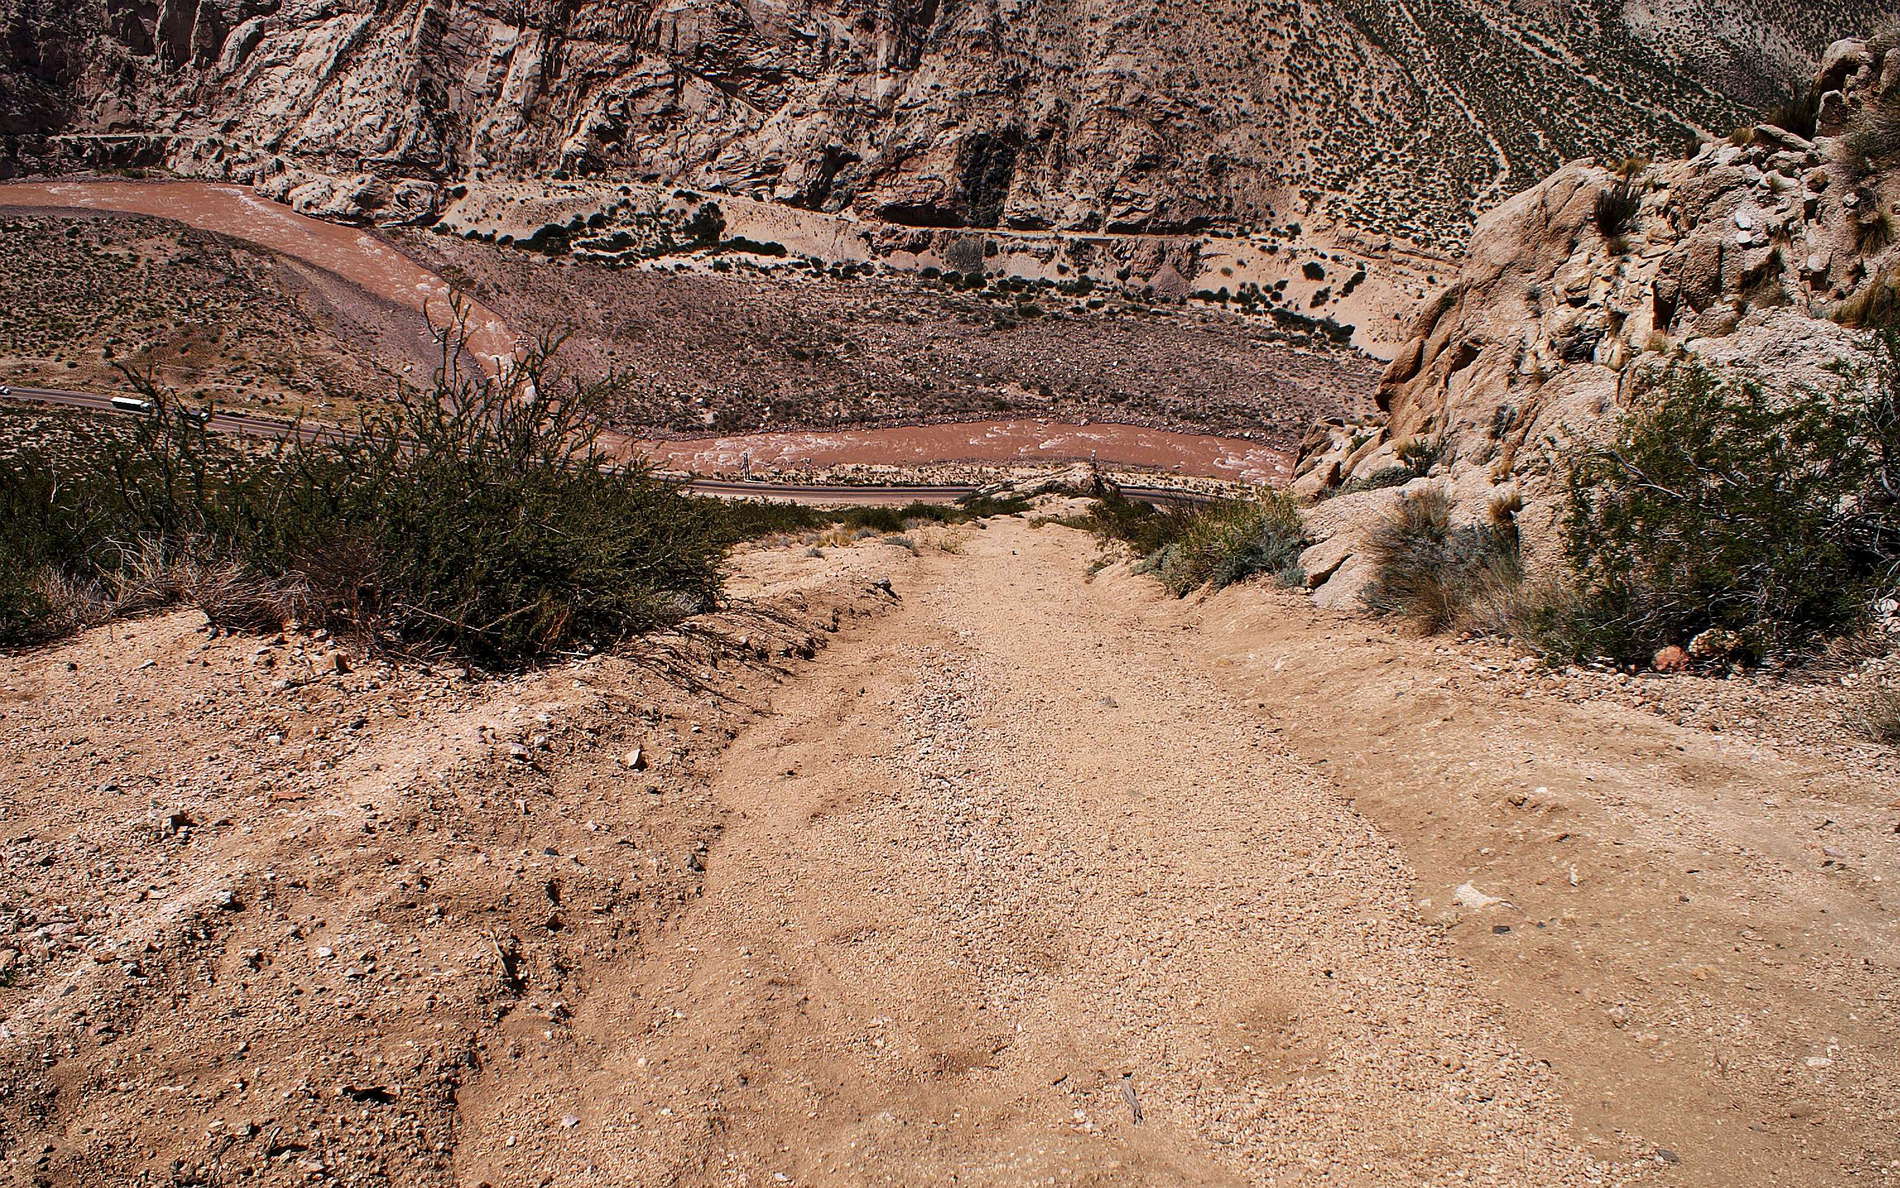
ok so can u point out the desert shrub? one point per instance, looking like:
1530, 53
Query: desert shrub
1211, 545
1798, 111
1616, 210
472, 517
1876, 714
1420, 454
750, 519
1872, 139
1439, 575
1711, 502
1144, 527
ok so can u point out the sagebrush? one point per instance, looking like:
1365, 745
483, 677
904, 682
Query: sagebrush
474, 516
1441, 575
1713, 502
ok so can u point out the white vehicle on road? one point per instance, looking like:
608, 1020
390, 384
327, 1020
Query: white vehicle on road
131, 404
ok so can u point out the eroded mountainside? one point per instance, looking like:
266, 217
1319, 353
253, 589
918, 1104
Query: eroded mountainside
1392, 119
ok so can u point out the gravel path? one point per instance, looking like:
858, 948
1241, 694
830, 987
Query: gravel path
1003, 873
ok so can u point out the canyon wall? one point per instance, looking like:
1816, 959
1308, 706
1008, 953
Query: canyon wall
1370, 121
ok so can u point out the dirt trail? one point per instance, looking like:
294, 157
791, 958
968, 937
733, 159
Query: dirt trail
947, 900
995, 854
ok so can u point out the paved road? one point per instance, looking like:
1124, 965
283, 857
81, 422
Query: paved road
271, 427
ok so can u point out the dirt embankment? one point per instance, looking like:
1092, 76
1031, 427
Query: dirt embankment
345, 252
265, 918
1031, 877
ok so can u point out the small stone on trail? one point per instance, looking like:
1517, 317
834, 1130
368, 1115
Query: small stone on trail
1469, 896
1671, 659
636, 760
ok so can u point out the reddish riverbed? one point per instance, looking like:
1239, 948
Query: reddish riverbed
990, 442
378, 268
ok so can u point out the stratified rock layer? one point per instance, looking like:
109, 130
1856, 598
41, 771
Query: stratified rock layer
1387, 119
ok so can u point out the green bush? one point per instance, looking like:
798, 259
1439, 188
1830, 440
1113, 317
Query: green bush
471, 518
1208, 546
750, 519
1440, 576
1712, 503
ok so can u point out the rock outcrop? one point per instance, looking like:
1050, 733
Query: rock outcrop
1762, 253
1381, 120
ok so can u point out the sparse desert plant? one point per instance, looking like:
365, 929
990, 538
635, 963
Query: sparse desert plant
1378, 480
1798, 111
1442, 576
1712, 502
1876, 714
1210, 546
1616, 210
1420, 454
1874, 234
1872, 139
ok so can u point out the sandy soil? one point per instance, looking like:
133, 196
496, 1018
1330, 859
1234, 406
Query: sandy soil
1028, 878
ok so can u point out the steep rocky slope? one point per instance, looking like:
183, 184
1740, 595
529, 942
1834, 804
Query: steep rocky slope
1391, 119
1770, 253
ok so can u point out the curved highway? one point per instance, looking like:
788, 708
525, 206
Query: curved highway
820, 493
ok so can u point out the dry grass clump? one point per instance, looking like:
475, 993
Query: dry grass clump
1441, 576
1872, 139
1209, 546
1876, 715
1615, 212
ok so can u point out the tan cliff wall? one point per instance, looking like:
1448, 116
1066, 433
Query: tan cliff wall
1372, 121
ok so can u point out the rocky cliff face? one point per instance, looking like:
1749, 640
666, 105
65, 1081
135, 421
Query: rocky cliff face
1382, 119
1767, 253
